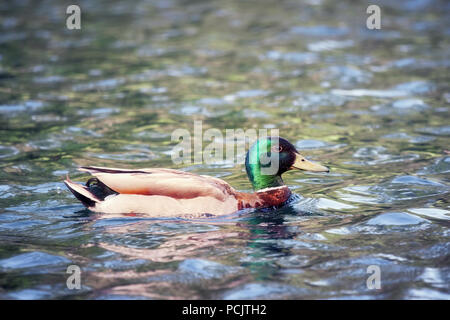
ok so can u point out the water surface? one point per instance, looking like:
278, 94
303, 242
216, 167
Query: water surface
371, 104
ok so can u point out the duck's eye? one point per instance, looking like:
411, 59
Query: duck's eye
303, 159
277, 148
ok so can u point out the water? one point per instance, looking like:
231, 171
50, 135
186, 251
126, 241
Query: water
372, 105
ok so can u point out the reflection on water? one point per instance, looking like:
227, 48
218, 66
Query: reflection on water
373, 105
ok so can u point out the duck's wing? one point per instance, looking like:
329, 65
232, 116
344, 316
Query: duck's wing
164, 182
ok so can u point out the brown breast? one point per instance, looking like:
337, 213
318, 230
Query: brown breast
264, 198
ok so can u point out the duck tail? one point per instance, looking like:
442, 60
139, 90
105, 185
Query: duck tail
82, 193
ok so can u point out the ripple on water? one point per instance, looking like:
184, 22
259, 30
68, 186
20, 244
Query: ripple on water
388, 93
292, 57
213, 101
8, 217
293, 261
400, 188
190, 110
119, 264
33, 259
319, 30
52, 79
106, 84
320, 180
311, 144
410, 64
346, 76
316, 204
438, 131
440, 166
420, 87
426, 293
80, 132
151, 135
327, 45
378, 155
27, 106
205, 269
434, 277
6, 192
412, 180
44, 188
432, 213
7, 151
395, 219
23, 225
410, 105
46, 291
390, 257
50, 143
252, 113
408, 137
313, 101
135, 153
243, 94
340, 231
385, 223
12, 36
29, 294
99, 112
252, 291
446, 97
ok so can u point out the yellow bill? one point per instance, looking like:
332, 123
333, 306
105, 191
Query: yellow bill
302, 164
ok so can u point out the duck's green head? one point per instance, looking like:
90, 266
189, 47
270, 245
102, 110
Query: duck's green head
268, 158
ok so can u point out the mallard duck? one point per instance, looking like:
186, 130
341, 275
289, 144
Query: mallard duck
158, 192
